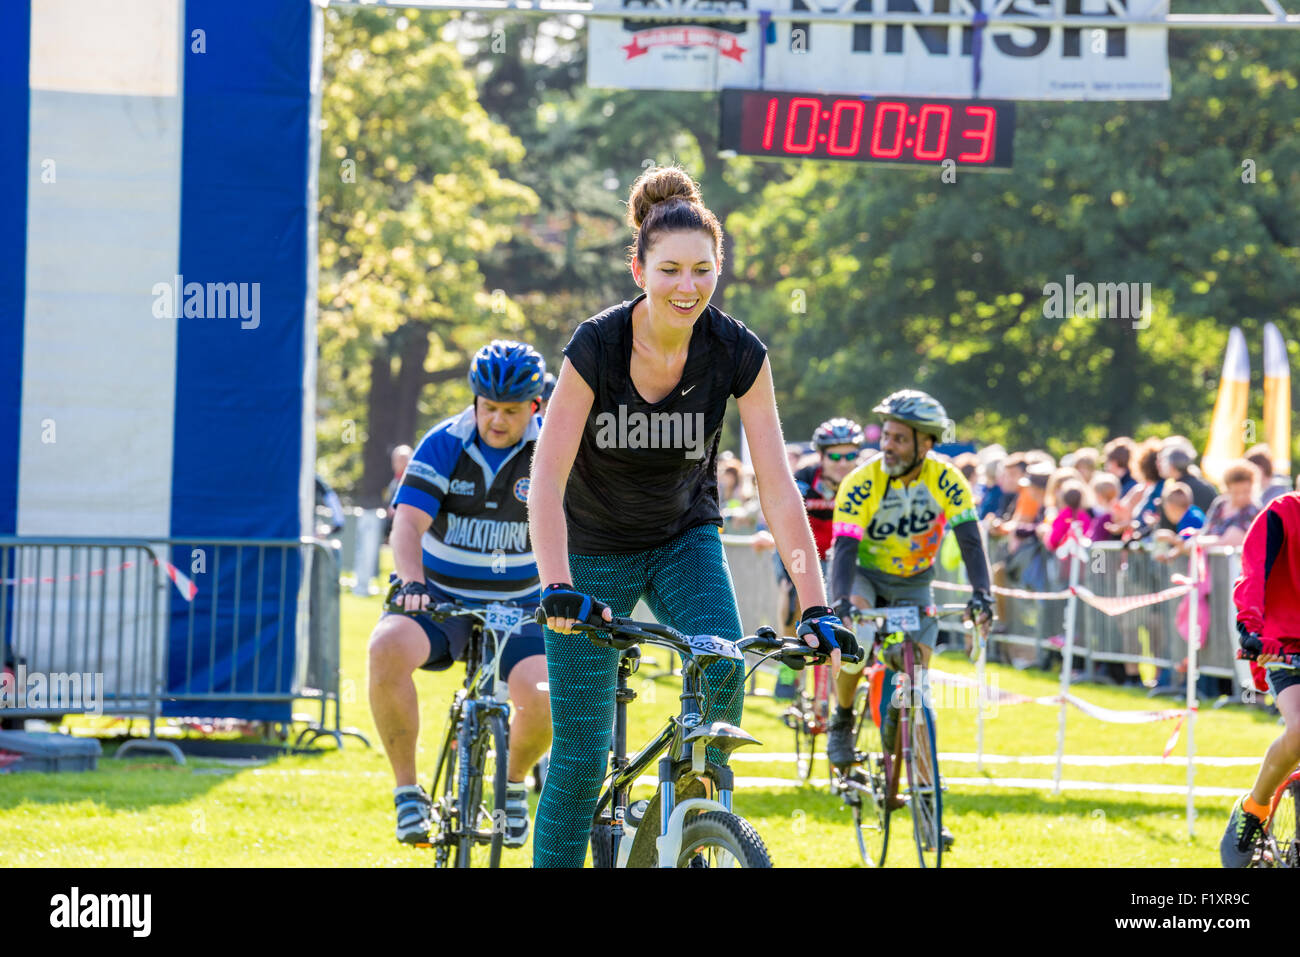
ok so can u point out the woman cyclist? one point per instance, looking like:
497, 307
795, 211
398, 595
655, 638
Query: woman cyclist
623, 503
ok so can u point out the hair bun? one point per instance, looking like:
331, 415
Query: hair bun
656, 185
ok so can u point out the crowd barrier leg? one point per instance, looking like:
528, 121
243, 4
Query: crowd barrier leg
1067, 663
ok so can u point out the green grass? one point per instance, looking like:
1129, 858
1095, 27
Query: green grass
335, 808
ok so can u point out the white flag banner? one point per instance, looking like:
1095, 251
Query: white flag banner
972, 59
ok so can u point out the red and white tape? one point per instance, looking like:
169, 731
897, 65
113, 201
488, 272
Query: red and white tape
183, 584
1109, 715
1106, 604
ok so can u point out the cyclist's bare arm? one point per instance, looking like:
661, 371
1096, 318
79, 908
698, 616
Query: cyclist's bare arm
409, 525
557, 446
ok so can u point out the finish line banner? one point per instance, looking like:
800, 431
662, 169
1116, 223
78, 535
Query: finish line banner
974, 59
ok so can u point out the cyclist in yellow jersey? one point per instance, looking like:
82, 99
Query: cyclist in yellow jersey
890, 517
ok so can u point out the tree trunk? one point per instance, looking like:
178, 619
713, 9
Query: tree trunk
393, 406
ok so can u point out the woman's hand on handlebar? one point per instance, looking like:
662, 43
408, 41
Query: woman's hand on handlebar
564, 607
819, 625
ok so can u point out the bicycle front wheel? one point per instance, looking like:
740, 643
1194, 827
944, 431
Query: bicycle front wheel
1284, 823
868, 785
925, 794
483, 798
721, 839
442, 832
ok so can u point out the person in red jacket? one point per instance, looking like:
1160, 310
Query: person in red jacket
1268, 619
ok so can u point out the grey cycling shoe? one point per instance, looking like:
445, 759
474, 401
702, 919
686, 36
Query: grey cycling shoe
414, 814
516, 832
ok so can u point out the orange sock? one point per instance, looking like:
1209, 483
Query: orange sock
1259, 810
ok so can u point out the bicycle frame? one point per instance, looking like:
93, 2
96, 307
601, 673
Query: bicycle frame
679, 750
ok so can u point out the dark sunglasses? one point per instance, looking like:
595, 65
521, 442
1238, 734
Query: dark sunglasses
841, 456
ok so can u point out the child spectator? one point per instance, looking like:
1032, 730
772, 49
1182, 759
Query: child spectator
1186, 519
1071, 513
1105, 489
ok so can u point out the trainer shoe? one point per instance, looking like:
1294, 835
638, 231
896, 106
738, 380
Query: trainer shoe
1238, 844
516, 814
414, 814
839, 740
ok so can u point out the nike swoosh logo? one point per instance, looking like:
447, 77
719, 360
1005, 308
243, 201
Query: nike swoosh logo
684, 391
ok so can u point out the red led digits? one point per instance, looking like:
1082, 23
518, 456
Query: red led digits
769, 128
985, 135
944, 113
855, 137
877, 132
792, 118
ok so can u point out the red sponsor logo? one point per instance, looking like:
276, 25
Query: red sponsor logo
685, 36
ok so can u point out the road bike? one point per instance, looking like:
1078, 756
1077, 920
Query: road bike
872, 787
809, 715
469, 780
681, 827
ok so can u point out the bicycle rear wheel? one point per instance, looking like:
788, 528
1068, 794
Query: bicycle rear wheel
1284, 823
720, 839
866, 784
925, 793
442, 831
482, 805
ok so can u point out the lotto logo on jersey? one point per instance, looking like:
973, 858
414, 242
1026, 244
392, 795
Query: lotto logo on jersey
949, 485
521, 490
906, 526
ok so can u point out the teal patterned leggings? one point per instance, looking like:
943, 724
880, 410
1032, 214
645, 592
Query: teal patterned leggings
686, 584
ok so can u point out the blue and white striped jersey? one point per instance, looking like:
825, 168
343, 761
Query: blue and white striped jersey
477, 548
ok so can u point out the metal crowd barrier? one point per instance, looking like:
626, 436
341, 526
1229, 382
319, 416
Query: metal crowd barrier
1145, 635
106, 608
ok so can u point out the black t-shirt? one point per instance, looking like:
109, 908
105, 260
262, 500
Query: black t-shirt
646, 472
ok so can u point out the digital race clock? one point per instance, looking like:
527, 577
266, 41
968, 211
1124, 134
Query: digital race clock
975, 134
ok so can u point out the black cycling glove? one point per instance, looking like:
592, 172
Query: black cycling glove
561, 601
979, 608
398, 590
822, 621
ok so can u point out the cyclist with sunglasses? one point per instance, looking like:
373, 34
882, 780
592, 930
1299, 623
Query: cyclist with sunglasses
838, 442
890, 517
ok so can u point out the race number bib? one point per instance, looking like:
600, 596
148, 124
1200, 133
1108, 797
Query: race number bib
904, 618
504, 619
715, 646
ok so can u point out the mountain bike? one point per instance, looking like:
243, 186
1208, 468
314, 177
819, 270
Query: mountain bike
1276, 843
682, 827
872, 787
469, 780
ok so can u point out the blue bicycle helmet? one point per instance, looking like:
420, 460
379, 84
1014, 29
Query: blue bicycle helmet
507, 371
550, 387
838, 431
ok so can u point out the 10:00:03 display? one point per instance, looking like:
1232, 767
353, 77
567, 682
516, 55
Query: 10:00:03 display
932, 125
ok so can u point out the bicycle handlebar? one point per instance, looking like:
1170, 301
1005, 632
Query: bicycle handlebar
623, 633
925, 611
